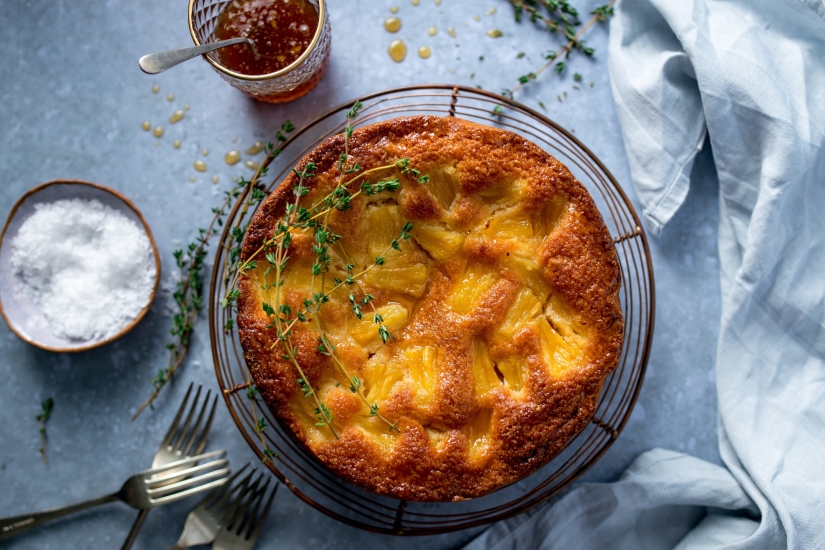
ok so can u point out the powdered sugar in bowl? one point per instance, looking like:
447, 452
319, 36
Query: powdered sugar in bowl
78, 266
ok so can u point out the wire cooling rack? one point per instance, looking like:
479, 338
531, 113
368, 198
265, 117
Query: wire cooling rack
304, 474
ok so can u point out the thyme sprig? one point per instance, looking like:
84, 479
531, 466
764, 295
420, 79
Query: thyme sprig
190, 260
46, 412
561, 18
315, 220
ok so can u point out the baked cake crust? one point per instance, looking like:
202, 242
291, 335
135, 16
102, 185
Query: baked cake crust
498, 354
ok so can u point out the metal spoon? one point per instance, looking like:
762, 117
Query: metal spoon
155, 63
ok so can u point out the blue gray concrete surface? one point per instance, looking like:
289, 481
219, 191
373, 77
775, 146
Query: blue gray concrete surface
72, 100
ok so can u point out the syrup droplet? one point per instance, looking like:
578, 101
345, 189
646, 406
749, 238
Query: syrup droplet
424, 52
170, 97
176, 144
252, 165
476, 18
451, 31
235, 179
186, 107
146, 125
491, 11
205, 152
215, 179
176, 116
397, 50
437, 2
256, 148
432, 31
191, 178
416, 2
392, 24
158, 131
155, 89
200, 166
232, 157
452, 71
393, 9
495, 33
234, 140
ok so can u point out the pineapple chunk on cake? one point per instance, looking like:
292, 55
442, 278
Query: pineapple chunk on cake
525, 309
477, 280
483, 368
365, 331
441, 243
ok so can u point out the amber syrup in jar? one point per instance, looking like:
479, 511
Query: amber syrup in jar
281, 29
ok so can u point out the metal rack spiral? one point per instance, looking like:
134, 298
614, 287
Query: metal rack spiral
305, 475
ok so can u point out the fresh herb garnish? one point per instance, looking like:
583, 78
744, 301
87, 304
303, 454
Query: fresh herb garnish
561, 18
188, 293
46, 407
353, 180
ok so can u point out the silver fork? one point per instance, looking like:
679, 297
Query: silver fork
241, 531
147, 489
190, 440
224, 507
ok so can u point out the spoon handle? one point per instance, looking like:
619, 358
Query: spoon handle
158, 62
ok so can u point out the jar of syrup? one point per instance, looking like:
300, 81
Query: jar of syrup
292, 43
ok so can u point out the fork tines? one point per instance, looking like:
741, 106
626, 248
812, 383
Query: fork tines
212, 473
184, 438
240, 518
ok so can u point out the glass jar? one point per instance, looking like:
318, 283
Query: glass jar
291, 82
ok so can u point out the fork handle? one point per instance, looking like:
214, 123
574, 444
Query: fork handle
130, 540
17, 524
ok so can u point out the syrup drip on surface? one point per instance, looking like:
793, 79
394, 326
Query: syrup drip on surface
191, 178
200, 166
392, 24
432, 31
256, 148
393, 9
186, 107
491, 11
215, 179
232, 157
495, 33
205, 152
176, 144
416, 2
451, 32
476, 18
397, 50
176, 116
281, 31
252, 165
158, 131
146, 125
424, 52
155, 89
170, 97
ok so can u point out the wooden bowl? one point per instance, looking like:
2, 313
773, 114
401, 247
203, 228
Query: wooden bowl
22, 315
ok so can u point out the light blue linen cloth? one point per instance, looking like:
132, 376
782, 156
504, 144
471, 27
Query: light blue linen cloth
749, 74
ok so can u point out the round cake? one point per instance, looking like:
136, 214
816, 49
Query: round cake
430, 306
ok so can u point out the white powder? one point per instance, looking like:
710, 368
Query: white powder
87, 266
